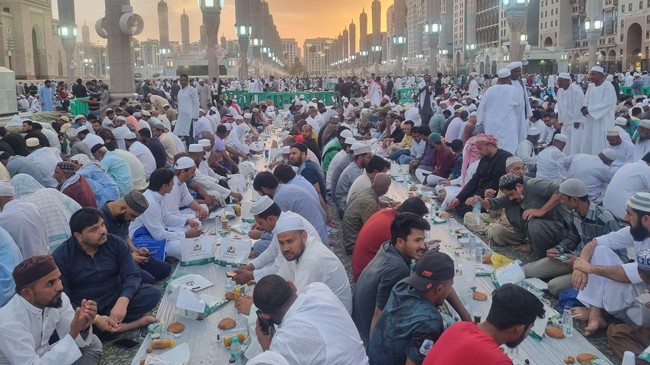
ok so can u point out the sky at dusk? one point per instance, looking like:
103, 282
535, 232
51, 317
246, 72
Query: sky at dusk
297, 19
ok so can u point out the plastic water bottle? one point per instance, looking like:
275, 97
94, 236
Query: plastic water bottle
230, 284
478, 248
235, 349
567, 322
477, 213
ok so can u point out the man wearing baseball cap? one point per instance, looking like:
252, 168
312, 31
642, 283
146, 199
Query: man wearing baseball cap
37, 310
411, 321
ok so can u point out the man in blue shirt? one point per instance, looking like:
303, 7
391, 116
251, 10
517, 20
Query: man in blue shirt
98, 266
45, 96
308, 169
411, 321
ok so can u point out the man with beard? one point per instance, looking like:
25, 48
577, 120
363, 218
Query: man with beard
642, 140
605, 282
309, 170
97, 265
39, 308
117, 217
512, 314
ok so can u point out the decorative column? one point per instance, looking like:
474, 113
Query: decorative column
594, 29
68, 34
432, 31
516, 13
211, 10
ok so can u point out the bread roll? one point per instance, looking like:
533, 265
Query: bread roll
227, 323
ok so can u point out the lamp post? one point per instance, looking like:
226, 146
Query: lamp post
516, 13
376, 50
68, 35
432, 31
243, 33
470, 49
398, 45
364, 60
442, 53
211, 10
256, 43
264, 52
593, 30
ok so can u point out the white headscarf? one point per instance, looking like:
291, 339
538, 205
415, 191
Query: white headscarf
268, 358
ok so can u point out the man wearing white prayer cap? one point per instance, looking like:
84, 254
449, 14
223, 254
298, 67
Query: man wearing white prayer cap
215, 194
526, 149
515, 75
23, 221
614, 287
547, 160
642, 142
599, 109
624, 147
593, 170
500, 111
268, 358
570, 98
565, 75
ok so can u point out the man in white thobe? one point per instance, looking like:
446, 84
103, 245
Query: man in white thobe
205, 97
473, 87
526, 149
607, 283
570, 99
642, 142
624, 149
188, 108
629, 179
23, 221
599, 108
591, 170
374, 92
520, 86
143, 154
500, 112
547, 160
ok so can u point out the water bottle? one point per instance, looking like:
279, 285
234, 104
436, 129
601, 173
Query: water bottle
628, 358
477, 213
478, 248
232, 360
235, 349
567, 322
230, 284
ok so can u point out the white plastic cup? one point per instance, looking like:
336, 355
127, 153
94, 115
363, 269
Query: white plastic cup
628, 358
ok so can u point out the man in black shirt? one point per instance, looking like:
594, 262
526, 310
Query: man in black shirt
117, 216
154, 145
97, 265
78, 90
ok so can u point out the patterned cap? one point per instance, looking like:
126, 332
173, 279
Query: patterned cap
66, 166
136, 201
508, 179
640, 201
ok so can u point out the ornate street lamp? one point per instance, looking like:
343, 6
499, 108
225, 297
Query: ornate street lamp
398, 45
211, 10
516, 12
432, 32
376, 50
243, 32
594, 31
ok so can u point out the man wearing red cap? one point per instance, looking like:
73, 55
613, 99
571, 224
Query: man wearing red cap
39, 308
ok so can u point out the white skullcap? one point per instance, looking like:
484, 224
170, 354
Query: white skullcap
503, 73
561, 137
346, 133
228, 126
565, 75
204, 142
146, 113
195, 147
81, 158
201, 110
598, 69
512, 159
32, 142
79, 116
268, 358
350, 141
573, 188
121, 117
248, 115
645, 123
130, 135
6, 189
290, 223
514, 65
301, 96
472, 114
261, 205
640, 201
620, 121
238, 117
613, 133
360, 148
213, 108
71, 133
137, 114
471, 108
398, 108
285, 150
83, 128
609, 153
533, 131
184, 163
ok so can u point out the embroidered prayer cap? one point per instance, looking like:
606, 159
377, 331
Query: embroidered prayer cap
80, 159
513, 159
503, 73
195, 147
598, 69
145, 113
78, 116
640, 201
561, 137
248, 115
645, 123
613, 133
609, 153
31, 269
432, 267
184, 163
130, 136
508, 179
565, 75
82, 129
574, 188
6, 189
346, 133
361, 148
136, 201
261, 205
66, 166
514, 65
643, 260
350, 140
533, 131
291, 223
71, 133
32, 142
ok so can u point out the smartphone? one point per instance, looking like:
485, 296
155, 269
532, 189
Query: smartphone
150, 253
265, 324
643, 298
126, 343
562, 257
